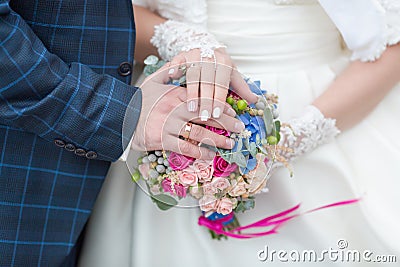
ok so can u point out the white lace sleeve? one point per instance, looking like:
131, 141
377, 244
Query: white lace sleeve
389, 33
392, 8
306, 132
189, 11
173, 37
367, 26
185, 28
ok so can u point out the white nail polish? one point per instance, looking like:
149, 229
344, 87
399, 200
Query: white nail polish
191, 106
204, 115
217, 112
231, 112
229, 142
171, 71
239, 126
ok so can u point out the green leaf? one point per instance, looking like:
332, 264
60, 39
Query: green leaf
226, 155
135, 176
239, 159
164, 202
268, 120
249, 204
253, 150
278, 136
263, 150
277, 126
247, 143
240, 207
264, 142
239, 145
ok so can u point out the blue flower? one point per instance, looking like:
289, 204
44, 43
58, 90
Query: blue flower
255, 87
254, 124
244, 151
251, 164
215, 216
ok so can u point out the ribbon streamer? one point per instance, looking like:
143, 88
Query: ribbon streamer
275, 221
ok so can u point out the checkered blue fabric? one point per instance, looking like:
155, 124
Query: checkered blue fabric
59, 80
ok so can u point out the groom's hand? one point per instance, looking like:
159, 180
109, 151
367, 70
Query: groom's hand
164, 121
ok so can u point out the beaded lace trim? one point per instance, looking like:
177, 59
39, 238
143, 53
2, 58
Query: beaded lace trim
390, 32
173, 37
307, 132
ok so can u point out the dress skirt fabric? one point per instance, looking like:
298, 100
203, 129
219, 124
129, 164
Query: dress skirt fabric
296, 52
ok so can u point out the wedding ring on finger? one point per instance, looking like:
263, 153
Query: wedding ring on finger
186, 131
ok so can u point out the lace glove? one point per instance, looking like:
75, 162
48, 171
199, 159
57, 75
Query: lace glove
304, 133
173, 37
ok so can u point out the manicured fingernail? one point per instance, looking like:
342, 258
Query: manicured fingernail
171, 71
217, 112
239, 126
191, 106
204, 115
230, 143
230, 112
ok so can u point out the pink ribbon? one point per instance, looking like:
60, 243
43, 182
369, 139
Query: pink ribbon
275, 221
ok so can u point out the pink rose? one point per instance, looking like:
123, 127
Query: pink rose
155, 189
237, 189
180, 190
224, 206
258, 177
196, 191
144, 170
179, 162
208, 189
204, 170
208, 203
220, 183
188, 177
223, 168
218, 131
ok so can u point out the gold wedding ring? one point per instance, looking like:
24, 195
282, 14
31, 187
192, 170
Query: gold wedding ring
186, 131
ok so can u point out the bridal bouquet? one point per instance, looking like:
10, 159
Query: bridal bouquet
227, 184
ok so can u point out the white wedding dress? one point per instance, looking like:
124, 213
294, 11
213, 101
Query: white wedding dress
295, 50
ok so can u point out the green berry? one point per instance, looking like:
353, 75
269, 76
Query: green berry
242, 104
139, 161
235, 107
272, 140
136, 176
230, 100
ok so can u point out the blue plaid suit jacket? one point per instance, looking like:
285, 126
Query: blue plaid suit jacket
64, 73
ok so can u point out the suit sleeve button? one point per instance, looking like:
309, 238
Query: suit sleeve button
125, 69
80, 152
91, 155
70, 147
59, 143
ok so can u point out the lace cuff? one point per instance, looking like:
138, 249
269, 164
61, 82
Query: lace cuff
392, 8
390, 33
307, 132
367, 26
173, 37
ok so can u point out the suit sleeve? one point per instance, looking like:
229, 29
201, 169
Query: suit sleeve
41, 94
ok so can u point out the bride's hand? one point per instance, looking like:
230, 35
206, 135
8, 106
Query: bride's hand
164, 118
208, 79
